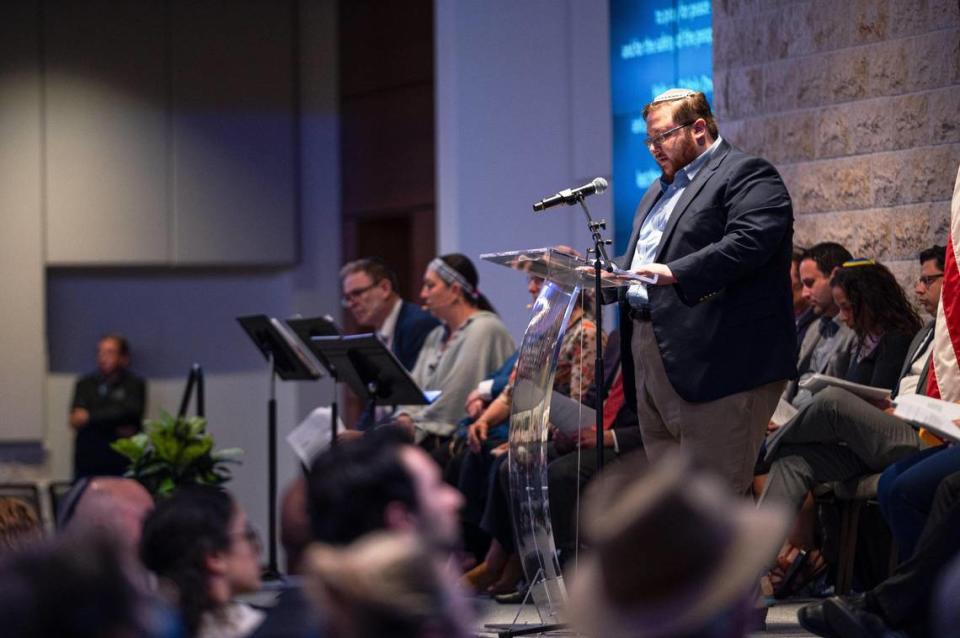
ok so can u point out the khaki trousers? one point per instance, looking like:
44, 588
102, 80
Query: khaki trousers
723, 436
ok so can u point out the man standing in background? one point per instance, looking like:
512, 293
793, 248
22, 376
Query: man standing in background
107, 405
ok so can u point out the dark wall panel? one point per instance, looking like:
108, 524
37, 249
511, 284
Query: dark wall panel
234, 130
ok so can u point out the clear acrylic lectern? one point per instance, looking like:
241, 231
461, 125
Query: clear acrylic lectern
564, 275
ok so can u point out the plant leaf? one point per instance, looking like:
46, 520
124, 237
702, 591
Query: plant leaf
228, 455
133, 447
172, 452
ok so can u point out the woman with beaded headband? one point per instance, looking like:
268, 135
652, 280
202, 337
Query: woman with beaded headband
468, 346
838, 437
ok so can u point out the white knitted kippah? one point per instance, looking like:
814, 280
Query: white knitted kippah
673, 94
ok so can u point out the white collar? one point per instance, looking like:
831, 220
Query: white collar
234, 619
389, 326
694, 167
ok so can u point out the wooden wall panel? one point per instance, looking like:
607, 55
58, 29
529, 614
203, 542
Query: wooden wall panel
390, 44
387, 151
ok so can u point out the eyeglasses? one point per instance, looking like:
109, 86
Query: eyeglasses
352, 295
250, 535
926, 280
658, 139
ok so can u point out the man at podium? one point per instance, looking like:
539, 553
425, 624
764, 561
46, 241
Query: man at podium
713, 340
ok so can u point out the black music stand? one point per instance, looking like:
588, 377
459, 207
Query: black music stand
306, 329
291, 362
370, 370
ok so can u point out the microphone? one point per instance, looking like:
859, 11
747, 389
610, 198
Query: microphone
570, 196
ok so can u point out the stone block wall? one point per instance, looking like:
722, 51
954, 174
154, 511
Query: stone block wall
857, 103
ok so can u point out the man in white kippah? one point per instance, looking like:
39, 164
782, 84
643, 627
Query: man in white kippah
713, 340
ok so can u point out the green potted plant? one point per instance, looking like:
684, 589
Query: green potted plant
171, 452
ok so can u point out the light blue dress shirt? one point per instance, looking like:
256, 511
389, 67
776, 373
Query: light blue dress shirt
656, 221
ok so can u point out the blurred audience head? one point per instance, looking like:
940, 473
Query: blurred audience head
932, 261
817, 265
71, 587
674, 553
386, 584
203, 551
381, 481
534, 286
871, 301
451, 282
19, 524
107, 504
113, 354
369, 290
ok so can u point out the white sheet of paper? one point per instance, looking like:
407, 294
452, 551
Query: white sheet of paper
783, 413
934, 414
570, 416
632, 276
622, 277
312, 436
816, 382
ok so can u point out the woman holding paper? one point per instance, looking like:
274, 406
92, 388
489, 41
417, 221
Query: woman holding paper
873, 305
840, 436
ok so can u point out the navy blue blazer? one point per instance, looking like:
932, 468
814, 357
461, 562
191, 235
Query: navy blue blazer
727, 325
413, 326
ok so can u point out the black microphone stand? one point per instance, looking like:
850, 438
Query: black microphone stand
601, 262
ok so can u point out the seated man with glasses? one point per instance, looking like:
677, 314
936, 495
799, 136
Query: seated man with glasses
370, 294
931, 273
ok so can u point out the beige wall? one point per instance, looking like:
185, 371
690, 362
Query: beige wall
23, 361
858, 104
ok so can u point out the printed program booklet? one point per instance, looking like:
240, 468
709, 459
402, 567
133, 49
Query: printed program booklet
933, 414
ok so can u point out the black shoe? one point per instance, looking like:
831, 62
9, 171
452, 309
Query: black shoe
811, 618
848, 617
856, 601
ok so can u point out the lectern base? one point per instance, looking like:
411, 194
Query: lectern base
506, 630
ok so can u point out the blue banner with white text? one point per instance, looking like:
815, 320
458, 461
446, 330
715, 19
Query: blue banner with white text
655, 45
